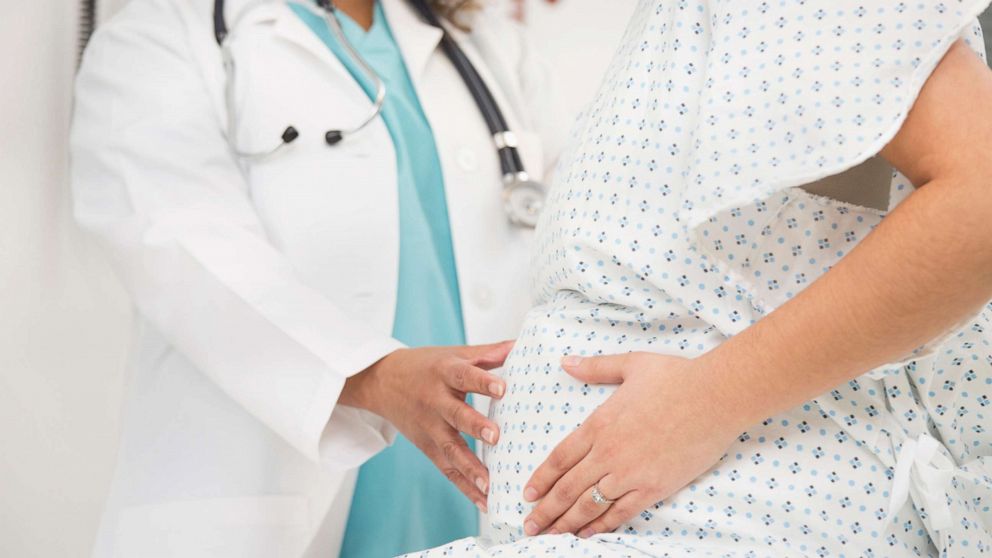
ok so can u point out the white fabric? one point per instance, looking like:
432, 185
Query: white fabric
262, 286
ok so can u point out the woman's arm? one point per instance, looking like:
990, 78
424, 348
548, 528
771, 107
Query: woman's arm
926, 267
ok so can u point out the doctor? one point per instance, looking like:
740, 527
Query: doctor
308, 204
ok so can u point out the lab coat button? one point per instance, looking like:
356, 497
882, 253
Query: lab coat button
467, 159
483, 297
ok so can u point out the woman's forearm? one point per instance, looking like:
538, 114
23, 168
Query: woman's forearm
925, 268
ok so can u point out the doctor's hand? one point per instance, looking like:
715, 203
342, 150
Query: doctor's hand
422, 392
666, 424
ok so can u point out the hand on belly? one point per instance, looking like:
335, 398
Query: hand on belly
660, 430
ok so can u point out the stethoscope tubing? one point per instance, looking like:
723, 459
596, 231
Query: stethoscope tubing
522, 196
330, 15
510, 161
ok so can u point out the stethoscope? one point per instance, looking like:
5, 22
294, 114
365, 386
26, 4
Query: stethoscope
523, 198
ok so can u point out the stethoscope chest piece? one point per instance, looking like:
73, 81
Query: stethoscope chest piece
523, 199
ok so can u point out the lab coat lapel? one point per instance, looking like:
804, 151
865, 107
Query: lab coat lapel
417, 39
289, 27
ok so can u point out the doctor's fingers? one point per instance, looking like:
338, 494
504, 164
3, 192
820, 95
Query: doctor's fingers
464, 377
464, 418
452, 456
458, 466
489, 356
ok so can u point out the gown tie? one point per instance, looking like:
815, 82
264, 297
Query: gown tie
923, 467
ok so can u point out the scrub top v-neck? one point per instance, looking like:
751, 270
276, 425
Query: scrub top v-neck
402, 502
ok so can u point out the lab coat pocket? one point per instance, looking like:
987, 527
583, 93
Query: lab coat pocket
262, 526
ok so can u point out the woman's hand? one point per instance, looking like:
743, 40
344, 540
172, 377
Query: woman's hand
663, 427
422, 393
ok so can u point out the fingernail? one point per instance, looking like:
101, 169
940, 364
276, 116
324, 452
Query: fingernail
531, 528
586, 533
489, 436
481, 485
496, 389
530, 494
482, 507
571, 361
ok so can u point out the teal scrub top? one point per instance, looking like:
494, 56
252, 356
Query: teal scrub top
402, 503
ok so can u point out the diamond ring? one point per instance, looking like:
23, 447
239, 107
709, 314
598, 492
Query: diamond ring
597, 496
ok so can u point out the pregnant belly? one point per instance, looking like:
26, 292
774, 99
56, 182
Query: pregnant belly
543, 404
786, 482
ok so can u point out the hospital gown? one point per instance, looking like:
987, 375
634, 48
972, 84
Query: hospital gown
676, 221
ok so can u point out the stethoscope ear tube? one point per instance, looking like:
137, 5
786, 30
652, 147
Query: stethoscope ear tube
87, 23
332, 137
220, 22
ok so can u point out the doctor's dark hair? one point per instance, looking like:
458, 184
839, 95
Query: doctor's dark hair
458, 12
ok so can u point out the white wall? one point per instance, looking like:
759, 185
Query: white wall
63, 318
579, 38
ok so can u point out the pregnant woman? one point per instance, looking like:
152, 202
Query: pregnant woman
763, 280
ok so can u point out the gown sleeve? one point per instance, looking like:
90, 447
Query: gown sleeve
156, 184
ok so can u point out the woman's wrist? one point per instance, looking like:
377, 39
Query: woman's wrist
728, 381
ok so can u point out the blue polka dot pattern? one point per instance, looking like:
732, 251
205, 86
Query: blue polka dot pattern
675, 222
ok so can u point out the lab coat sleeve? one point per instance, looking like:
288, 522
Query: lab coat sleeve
155, 181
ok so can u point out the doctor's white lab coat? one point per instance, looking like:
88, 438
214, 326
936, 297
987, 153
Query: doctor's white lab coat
261, 286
